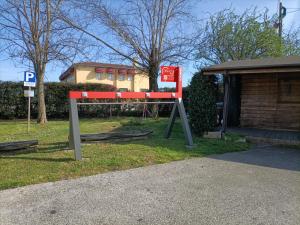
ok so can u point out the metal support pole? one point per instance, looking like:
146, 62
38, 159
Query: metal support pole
71, 140
74, 132
171, 121
179, 107
185, 123
280, 17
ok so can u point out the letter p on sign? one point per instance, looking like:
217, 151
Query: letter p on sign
29, 79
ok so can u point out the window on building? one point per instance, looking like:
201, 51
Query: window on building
110, 76
100, 76
71, 78
121, 77
123, 89
129, 77
289, 90
144, 90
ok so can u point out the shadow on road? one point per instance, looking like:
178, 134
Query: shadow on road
268, 156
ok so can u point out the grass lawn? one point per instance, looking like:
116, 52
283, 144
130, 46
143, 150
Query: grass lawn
53, 161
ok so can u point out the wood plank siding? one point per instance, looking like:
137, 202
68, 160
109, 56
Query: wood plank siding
270, 101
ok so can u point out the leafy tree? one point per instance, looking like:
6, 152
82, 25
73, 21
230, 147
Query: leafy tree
291, 43
230, 36
202, 106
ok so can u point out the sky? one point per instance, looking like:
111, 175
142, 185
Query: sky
13, 71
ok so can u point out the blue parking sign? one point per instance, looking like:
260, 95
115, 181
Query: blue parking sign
29, 79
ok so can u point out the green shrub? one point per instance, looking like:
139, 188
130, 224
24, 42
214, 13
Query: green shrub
13, 104
202, 104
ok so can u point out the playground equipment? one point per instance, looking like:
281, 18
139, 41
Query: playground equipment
168, 74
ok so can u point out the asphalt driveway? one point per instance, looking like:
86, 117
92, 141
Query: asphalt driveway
256, 187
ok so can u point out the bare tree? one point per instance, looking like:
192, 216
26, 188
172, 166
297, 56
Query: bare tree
147, 32
30, 31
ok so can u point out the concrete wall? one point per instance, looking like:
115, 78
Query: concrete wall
141, 82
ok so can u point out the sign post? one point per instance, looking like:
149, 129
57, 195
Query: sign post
28, 117
29, 81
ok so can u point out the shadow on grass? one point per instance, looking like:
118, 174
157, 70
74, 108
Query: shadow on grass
176, 143
53, 147
40, 159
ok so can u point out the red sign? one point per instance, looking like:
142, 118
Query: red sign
169, 73
110, 70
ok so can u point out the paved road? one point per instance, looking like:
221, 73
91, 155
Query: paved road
257, 187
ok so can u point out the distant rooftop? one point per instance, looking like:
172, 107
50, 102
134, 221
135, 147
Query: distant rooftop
279, 62
94, 64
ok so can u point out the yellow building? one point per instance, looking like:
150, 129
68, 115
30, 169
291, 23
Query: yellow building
123, 77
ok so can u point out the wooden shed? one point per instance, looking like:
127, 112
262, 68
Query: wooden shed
261, 93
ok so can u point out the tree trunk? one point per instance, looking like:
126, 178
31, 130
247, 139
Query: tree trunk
42, 117
153, 72
153, 86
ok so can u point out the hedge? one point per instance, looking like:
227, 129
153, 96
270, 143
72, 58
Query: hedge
202, 104
13, 104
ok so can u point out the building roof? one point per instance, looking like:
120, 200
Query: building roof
65, 74
252, 64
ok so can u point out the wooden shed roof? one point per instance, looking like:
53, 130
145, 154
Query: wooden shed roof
265, 65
